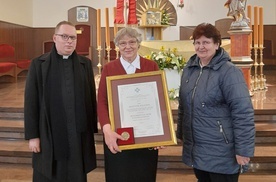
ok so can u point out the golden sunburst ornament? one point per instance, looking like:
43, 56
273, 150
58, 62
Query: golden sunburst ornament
144, 6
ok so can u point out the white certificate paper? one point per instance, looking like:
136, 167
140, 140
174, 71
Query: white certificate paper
140, 109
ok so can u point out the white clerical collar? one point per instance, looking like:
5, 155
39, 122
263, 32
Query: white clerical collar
131, 67
65, 57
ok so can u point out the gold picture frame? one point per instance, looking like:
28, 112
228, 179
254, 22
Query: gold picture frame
121, 92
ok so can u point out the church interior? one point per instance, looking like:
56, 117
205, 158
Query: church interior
252, 48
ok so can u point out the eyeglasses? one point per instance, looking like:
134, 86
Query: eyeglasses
203, 43
66, 37
131, 43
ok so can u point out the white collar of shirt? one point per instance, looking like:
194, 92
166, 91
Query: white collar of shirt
130, 68
65, 56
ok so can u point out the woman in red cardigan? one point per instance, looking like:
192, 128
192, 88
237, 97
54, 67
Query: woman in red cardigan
137, 165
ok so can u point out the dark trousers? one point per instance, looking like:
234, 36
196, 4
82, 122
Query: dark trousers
204, 176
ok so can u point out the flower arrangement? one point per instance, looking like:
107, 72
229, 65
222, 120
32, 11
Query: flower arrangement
171, 60
168, 59
173, 93
164, 18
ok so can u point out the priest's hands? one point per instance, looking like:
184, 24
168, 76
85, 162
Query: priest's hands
34, 145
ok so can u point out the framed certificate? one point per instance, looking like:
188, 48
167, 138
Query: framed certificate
139, 110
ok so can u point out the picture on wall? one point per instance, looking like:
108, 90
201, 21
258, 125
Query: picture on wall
82, 14
153, 18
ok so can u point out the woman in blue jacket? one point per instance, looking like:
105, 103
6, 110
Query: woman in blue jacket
216, 116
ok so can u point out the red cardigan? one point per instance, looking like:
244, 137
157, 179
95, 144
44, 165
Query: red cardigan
111, 69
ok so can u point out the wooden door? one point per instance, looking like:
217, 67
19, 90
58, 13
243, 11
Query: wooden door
83, 39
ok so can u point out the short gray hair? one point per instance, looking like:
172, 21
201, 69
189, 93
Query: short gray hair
132, 32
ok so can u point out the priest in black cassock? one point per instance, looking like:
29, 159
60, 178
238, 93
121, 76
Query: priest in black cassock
60, 111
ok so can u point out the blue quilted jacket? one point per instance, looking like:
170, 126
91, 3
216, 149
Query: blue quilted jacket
215, 115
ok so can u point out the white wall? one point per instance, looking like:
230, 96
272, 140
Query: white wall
47, 13
193, 13
17, 11
198, 11
54, 11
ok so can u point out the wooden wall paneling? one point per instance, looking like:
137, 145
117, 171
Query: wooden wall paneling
20, 37
269, 40
47, 46
40, 36
186, 32
269, 34
223, 25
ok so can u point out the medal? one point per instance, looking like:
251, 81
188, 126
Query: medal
125, 135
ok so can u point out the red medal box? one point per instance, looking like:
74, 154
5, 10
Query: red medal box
126, 133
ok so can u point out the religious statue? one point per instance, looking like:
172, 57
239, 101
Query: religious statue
237, 11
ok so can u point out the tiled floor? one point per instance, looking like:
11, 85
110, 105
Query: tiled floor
14, 173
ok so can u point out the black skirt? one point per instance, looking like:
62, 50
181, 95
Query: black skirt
137, 165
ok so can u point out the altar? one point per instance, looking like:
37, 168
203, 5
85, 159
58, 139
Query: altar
184, 47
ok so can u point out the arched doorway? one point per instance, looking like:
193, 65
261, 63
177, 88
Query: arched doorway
87, 41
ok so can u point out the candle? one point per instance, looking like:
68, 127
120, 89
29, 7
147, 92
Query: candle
249, 15
99, 27
255, 26
261, 28
115, 25
107, 33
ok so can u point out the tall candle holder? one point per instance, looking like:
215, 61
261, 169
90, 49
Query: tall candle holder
262, 77
117, 52
108, 52
99, 49
252, 85
256, 64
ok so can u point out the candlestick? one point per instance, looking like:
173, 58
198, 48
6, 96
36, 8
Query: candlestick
117, 52
98, 27
261, 27
262, 84
107, 33
255, 26
99, 49
108, 49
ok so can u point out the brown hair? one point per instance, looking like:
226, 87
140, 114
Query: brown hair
63, 23
207, 30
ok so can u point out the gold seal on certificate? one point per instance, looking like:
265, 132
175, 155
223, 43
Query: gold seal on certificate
125, 135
